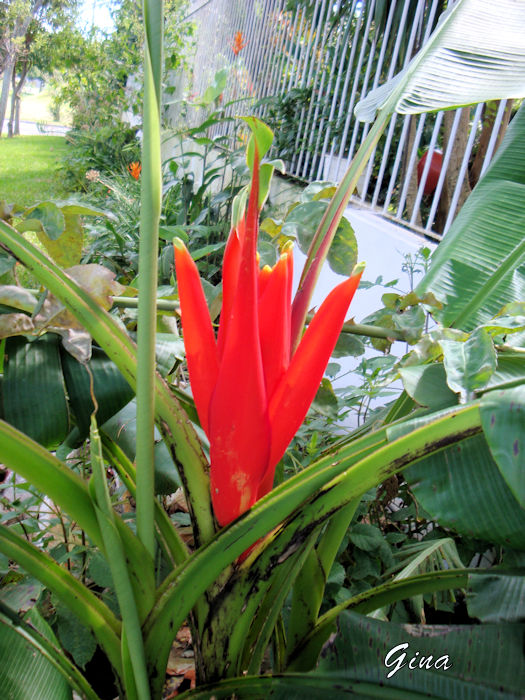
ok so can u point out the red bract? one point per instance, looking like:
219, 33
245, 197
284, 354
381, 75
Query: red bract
250, 392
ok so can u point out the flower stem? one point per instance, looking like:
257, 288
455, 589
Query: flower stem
151, 189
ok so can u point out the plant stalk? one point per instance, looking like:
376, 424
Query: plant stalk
151, 200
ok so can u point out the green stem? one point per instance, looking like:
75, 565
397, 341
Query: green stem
150, 208
133, 303
353, 328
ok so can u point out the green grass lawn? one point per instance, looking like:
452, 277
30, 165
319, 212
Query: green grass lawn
31, 169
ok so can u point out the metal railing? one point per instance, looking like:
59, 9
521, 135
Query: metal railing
305, 64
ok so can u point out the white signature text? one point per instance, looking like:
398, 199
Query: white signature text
396, 659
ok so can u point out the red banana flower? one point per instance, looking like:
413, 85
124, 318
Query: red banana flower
250, 392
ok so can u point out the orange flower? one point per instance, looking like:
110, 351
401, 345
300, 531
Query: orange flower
134, 169
238, 43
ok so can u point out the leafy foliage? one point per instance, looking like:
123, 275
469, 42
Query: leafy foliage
342, 537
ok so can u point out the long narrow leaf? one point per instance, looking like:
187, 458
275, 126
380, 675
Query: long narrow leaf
133, 648
180, 435
326, 490
67, 490
91, 611
47, 474
478, 267
176, 548
49, 651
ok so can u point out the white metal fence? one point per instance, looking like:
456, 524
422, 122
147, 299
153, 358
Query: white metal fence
304, 64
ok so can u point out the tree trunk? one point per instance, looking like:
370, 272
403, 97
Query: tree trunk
13, 127
413, 183
17, 117
451, 178
6, 83
11, 121
489, 116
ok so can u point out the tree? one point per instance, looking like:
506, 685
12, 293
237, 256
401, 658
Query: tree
99, 81
45, 47
17, 16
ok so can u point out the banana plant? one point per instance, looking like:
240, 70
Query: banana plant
252, 543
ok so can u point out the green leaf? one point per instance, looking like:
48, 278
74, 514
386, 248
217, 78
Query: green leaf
483, 661
510, 370
169, 351
22, 595
36, 633
469, 365
478, 268
7, 262
427, 385
464, 62
342, 256
79, 599
34, 370
83, 210
75, 638
51, 219
112, 391
348, 345
411, 322
262, 135
207, 250
98, 571
265, 179
24, 673
67, 250
168, 233
122, 429
271, 226
302, 223
319, 189
325, 400
461, 482
497, 596
505, 324
366, 537
503, 420
213, 91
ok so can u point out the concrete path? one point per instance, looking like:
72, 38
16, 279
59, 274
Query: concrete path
36, 129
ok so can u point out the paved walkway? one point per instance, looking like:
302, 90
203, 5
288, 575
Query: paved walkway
37, 129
